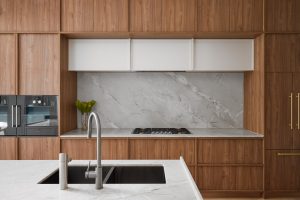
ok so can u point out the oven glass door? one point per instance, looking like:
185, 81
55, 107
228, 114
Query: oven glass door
7, 115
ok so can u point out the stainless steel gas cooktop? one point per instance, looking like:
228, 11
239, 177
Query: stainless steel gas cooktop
161, 131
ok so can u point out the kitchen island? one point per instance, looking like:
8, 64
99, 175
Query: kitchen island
19, 180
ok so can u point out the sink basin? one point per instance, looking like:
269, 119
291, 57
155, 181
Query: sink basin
112, 175
76, 175
137, 175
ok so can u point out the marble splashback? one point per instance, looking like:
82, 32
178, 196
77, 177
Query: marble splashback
164, 99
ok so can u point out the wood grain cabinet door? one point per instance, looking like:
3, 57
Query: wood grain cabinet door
296, 110
114, 149
8, 148
182, 147
7, 15
146, 15
77, 15
213, 15
148, 149
282, 172
111, 15
246, 15
279, 134
79, 149
282, 15
179, 15
282, 53
38, 15
39, 68
38, 148
8, 70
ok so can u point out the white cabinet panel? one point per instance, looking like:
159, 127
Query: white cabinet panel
99, 55
161, 54
224, 55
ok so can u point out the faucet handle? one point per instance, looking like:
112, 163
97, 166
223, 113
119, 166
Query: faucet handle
88, 170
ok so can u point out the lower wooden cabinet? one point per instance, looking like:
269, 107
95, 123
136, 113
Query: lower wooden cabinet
162, 149
230, 178
8, 148
38, 148
282, 172
85, 149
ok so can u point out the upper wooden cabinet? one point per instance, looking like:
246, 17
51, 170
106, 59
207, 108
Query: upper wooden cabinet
7, 15
282, 52
77, 15
213, 15
246, 15
8, 69
39, 69
145, 15
282, 15
230, 15
94, 15
178, 15
162, 15
111, 15
38, 15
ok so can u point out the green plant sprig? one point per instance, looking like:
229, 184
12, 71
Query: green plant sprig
85, 106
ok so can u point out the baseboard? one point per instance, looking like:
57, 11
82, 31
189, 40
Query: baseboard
230, 194
274, 194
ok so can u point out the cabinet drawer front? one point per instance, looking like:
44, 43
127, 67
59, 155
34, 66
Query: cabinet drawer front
85, 149
282, 170
230, 178
235, 151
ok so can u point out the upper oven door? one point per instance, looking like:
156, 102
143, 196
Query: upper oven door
38, 115
7, 115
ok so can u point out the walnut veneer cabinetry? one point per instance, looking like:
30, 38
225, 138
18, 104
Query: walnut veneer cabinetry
85, 149
230, 15
39, 64
29, 15
282, 15
94, 15
230, 167
8, 70
38, 148
8, 148
162, 15
159, 149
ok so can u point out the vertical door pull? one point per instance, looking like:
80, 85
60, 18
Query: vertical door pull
12, 117
291, 98
298, 111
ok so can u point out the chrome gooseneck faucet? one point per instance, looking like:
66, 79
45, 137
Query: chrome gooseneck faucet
97, 174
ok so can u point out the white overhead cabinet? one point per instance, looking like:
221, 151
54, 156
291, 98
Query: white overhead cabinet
224, 55
99, 55
161, 54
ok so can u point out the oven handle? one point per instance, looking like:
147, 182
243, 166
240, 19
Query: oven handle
12, 116
18, 115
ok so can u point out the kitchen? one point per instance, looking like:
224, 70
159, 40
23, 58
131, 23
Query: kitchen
198, 97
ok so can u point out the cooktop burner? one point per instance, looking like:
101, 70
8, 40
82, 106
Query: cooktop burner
161, 131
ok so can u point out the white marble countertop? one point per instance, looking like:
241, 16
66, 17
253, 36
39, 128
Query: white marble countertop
196, 132
18, 180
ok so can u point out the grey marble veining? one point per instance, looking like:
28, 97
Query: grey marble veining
165, 99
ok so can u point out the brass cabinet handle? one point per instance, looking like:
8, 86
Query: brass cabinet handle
291, 98
288, 154
298, 111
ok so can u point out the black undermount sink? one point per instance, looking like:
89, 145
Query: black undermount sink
112, 175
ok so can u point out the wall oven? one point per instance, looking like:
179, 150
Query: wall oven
28, 115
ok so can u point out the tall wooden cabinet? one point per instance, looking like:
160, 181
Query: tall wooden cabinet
39, 68
8, 68
282, 112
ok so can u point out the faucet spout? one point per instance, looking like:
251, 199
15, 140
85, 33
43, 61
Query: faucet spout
97, 174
